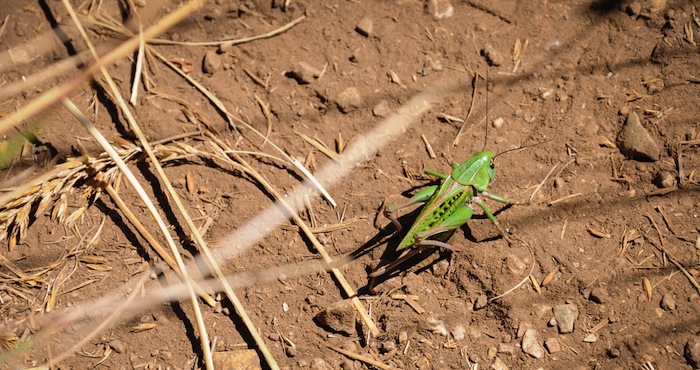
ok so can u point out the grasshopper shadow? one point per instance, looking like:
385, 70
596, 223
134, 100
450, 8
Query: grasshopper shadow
388, 235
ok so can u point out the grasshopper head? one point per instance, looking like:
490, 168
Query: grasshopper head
478, 171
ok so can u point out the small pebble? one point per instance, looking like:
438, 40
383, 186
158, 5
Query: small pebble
212, 62
481, 302
634, 8
338, 317
515, 264
691, 352
491, 352
530, 344
290, 351
423, 363
614, 352
349, 100
668, 303
498, 122
117, 346
304, 73
506, 348
665, 179
599, 295
365, 27
635, 141
403, 337
590, 338
566, 315
440, 268
552, 345
381, 109
347, 365
498, 364
388, 346
458, 332
440, 9
522, 328
493, 57
656, 86
559, 183
319, 364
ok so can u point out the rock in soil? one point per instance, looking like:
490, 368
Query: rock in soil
481, 302
246, 359
117, 346
493, 57
668, 303
338, 317
566, 315
381, 109
599, 295
440, 9
365, 27
635, 142
552, 345
498, 364
692, 352
212, 62
349, 100
531, 345
665, 179
304, 73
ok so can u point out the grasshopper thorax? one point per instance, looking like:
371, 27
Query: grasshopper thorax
477, 172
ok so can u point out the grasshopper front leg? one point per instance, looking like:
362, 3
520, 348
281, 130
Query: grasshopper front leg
487, 211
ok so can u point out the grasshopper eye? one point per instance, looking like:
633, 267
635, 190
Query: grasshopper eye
492, 165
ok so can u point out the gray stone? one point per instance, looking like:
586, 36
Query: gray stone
692, 352
349, 100
590, 338
566, 315
365, 27
338, 317
635, 142
531, 345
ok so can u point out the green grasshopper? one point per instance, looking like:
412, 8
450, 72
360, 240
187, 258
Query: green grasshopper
447, 207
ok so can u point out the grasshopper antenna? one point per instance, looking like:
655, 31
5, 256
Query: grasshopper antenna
519, 148
486, 133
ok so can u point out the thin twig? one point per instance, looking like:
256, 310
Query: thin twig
532, 196
229, 43
55, 94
